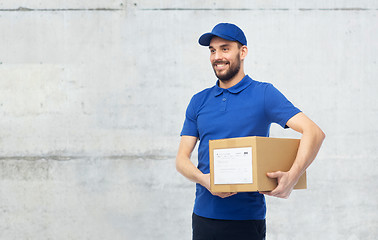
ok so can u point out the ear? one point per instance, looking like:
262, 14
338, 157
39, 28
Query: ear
243, 52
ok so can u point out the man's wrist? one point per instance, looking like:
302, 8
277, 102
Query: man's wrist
294, 175
202, 179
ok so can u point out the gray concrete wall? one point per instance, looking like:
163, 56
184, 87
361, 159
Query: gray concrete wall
93, 95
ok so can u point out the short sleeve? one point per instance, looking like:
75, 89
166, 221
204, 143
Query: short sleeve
190, 124
277, 108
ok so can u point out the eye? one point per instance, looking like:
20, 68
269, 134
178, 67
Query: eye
225, 49
212, 50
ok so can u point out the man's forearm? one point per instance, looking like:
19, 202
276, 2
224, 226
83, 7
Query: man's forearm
308, 149
188, 169
183, 163
312, 138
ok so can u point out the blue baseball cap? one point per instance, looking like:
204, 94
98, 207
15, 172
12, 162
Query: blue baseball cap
226, 31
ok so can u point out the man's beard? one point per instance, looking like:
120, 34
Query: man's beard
230, 73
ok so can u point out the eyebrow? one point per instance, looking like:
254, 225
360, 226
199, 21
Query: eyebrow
224, 45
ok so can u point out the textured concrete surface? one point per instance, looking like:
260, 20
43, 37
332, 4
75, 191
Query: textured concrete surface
93, 95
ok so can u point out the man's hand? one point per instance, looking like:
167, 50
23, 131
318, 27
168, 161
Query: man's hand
205, 181
286, 184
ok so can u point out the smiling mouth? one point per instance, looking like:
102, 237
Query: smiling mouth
220, 66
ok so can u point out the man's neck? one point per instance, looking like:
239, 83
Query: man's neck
233, 81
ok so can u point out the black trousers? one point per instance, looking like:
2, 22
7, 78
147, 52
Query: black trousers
215, 229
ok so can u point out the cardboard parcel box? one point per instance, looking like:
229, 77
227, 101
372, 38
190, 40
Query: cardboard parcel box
241, 164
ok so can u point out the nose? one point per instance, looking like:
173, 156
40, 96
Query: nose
218, 55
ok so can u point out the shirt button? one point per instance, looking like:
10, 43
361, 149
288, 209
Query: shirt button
224, 99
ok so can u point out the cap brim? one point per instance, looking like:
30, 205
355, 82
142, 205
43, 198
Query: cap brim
205, 39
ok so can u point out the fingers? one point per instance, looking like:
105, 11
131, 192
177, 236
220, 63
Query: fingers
284, 187
277, 193
266, 193
280, 195
274, 174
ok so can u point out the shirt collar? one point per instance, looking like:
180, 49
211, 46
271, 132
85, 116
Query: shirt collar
240, 86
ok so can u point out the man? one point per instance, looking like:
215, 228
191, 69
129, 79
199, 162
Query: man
237, 106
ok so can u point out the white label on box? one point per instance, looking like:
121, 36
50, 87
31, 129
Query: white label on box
233, 166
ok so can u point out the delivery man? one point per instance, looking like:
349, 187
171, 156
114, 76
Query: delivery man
237, 106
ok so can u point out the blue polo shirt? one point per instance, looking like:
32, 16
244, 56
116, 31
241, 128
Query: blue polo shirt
246, 109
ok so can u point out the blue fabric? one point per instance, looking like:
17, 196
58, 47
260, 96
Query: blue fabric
246, 109
226, 31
